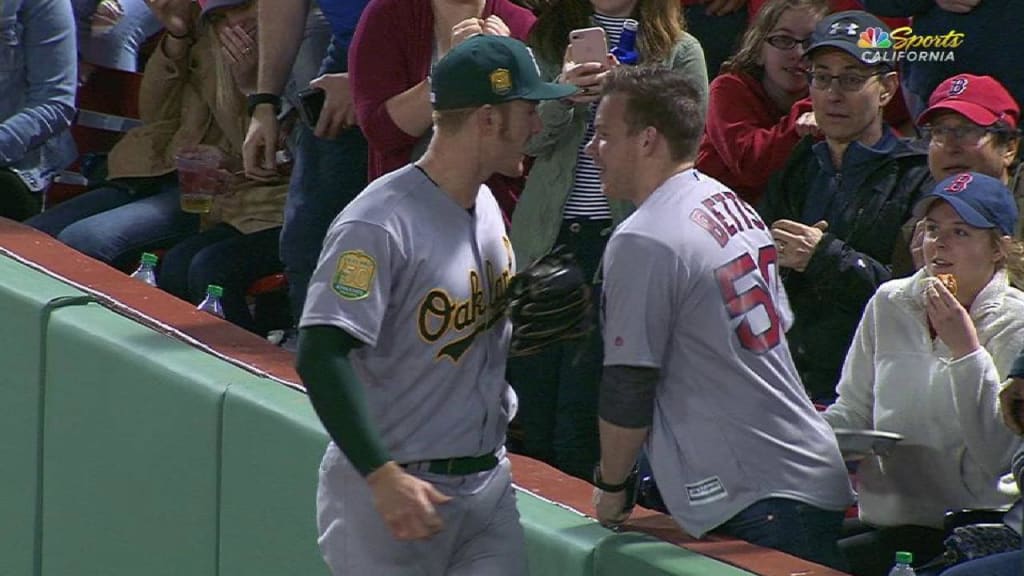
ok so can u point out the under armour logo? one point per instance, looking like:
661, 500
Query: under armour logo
849, 28
958, 86
959, 184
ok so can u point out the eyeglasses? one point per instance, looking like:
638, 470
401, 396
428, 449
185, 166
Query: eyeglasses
848, 81
786, 42
965, 134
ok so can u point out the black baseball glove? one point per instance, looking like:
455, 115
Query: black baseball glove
548, 302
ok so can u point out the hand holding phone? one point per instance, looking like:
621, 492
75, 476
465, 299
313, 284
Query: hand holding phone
587, 62
311, 102
337, 108
588, 45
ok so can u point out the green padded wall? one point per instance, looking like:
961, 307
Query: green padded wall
632, 553
23, 293
160, 459
131, 449
558, 541
271, 452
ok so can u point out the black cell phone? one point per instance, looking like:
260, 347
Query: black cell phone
311, 101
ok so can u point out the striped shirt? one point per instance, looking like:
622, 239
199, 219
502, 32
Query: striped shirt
586, 201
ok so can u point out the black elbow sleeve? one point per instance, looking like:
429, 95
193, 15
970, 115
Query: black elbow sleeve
627, 396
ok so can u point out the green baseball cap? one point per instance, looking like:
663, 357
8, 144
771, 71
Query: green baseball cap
489, 69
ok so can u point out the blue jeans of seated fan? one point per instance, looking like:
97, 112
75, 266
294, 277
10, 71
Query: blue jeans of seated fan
115, 223
223, 256
793, 527
1005, 564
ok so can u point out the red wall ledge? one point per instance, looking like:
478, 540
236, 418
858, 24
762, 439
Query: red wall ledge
180, 319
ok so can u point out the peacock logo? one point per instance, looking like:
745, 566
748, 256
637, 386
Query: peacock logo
874, 37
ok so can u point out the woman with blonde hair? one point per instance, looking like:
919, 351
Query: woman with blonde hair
562, 204
926, 362
758, 107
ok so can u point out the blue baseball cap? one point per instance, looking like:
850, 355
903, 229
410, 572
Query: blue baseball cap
982, 201
858, 33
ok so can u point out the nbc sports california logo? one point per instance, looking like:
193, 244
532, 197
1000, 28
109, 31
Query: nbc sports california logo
879, 46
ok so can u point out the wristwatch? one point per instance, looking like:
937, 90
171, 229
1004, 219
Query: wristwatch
601, 484
254, 100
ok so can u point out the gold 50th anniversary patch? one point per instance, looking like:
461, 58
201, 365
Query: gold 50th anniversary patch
354, 276
501, 81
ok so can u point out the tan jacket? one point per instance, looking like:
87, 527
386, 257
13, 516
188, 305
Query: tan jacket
178, 106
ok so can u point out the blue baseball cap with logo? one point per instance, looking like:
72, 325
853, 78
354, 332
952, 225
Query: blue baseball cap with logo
488, 69
858, 33
982, 201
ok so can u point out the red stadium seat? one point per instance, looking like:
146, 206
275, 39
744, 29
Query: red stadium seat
108, 106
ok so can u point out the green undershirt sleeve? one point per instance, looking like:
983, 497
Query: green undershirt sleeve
337, 395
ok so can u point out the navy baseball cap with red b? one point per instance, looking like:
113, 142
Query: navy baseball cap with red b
981, 201
488, 69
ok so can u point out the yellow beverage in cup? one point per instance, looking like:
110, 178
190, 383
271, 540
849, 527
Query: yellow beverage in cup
200, 177
196, 203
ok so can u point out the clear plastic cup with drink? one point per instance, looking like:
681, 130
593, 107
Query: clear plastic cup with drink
201, 176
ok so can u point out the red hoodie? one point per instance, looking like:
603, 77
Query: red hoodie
746, 137
390, 53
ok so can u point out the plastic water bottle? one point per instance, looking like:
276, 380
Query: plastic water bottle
147, 269
626, 52
211, 303
903, 567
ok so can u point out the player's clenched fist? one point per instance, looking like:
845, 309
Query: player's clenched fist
406, 503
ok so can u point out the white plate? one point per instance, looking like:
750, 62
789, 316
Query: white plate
857, 444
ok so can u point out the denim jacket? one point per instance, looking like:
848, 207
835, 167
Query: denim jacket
38, 72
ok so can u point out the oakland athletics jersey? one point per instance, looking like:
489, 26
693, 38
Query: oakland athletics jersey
417, 277
691, 287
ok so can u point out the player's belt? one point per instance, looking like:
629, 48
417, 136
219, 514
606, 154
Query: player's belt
455, 466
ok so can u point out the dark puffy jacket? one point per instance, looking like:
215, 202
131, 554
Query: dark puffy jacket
854, 257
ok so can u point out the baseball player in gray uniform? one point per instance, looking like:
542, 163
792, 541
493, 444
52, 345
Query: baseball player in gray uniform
403, 339
696, 363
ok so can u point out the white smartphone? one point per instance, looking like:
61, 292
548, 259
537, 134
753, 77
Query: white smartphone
588, 45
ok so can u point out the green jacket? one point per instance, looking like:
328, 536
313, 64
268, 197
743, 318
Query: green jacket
538, 214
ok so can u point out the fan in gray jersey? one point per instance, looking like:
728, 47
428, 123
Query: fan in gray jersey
403, 339
696, 363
